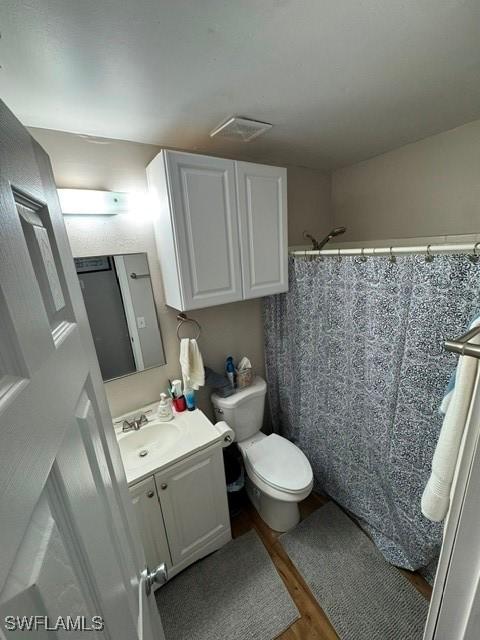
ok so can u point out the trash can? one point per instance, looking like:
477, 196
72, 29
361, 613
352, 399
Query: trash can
235, 477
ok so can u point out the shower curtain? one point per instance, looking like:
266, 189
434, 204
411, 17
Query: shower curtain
356, 372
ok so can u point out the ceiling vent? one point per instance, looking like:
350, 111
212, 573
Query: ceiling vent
238, 128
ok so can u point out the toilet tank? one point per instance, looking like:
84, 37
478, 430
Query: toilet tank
243, 411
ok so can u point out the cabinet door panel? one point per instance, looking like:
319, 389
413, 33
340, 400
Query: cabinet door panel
150, 522
194, 503
206, 226
262, 205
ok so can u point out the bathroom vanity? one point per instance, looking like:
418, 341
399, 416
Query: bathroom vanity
177, 482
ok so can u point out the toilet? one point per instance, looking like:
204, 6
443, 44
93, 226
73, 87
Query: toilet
279, 475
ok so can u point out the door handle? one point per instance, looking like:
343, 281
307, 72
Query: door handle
158, 576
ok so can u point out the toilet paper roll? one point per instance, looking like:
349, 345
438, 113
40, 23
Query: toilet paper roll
228, 435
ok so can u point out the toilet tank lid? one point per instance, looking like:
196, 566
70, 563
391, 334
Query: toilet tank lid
257, 388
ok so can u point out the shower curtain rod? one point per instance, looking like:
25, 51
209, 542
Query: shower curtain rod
392, 250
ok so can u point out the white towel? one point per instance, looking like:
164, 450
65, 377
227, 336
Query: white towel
191, 363
436, 496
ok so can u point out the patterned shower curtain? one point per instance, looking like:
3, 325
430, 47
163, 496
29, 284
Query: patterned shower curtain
356, 373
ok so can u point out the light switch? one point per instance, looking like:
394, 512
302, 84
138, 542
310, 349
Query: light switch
141, 324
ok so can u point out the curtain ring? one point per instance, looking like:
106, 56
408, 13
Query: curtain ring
363, 257
429, 256
474, 257
392, 258
339, 257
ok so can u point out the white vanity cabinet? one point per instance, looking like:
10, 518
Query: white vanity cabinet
194, 506
182, 511
220, 227
150, 522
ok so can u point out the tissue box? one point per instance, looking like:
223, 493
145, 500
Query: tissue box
244, 378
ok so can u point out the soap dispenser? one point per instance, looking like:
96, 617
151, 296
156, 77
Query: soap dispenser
164, 411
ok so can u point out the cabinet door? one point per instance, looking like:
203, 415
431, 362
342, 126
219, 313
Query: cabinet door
262, 205
150, 522
204, 210
193, 497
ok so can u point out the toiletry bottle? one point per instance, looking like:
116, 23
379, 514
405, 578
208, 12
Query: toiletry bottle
177, 388
179, 404
190, 398
164, 411
230, 370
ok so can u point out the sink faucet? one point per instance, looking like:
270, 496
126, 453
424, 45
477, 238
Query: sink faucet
135, 424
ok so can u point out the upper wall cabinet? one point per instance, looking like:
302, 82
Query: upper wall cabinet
262, 212
221, 228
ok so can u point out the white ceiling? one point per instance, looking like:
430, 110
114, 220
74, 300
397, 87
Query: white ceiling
341, 80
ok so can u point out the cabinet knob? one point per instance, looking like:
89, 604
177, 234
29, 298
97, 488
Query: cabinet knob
150, 493
164, 485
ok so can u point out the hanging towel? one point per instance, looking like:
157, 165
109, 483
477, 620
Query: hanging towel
191, 363
436, 496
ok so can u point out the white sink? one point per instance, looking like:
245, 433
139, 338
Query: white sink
155, 437
157, 445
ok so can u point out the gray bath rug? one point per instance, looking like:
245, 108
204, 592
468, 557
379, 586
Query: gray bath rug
234, 594
364, 597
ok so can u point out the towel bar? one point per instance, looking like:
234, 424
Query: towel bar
462, 345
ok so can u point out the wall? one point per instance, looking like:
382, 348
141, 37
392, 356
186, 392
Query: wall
234, 329
309, 205
429, 188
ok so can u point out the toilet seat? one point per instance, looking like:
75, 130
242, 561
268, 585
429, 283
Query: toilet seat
280, 464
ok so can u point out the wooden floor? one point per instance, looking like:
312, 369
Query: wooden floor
313, 624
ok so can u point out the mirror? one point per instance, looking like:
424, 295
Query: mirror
118, 295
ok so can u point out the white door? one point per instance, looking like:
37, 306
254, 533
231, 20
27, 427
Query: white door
69, 541
262, 208
194, 505
202, 191
150, 522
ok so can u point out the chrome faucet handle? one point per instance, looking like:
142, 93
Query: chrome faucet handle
141, 421
127, 426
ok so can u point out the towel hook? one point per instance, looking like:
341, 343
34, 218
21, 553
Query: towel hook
182, 319
429, 256
392, 257
474, 257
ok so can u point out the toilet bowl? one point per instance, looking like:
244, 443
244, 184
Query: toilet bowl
279, 475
